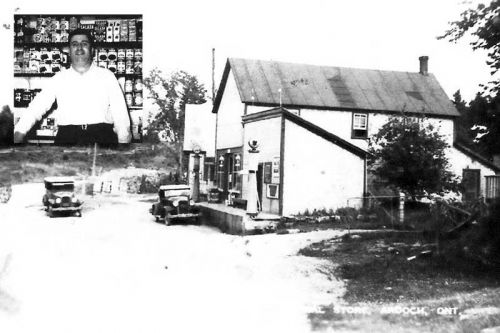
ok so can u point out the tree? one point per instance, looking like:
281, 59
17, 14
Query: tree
171, 94
483, 23
479, 124
482, 117
411, 156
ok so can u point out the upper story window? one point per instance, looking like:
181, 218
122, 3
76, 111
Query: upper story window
359, 126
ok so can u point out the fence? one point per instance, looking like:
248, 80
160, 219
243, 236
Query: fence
392, 208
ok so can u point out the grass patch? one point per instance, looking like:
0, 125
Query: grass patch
33, 163
377, 274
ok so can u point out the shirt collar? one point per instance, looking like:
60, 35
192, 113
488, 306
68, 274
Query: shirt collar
91, 69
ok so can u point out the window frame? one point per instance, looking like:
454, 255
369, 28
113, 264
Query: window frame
359, 133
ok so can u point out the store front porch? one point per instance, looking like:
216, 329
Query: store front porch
235, 220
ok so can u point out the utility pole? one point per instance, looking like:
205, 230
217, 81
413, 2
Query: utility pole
213, 75
94, 159
196, 171
216, 165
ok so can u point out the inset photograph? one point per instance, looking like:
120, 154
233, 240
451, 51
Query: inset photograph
77, 79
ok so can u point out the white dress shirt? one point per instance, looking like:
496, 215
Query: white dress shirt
82, 99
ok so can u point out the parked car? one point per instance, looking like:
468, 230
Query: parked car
60, 196
175, 205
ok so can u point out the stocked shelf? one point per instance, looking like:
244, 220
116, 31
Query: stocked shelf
52, 74
34, 74
124, 45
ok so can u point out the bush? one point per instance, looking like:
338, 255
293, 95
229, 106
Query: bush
346, 211
480, 244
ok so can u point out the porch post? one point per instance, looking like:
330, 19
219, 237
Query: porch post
196, 171
253, 162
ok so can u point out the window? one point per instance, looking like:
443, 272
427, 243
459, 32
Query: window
235, 177
359, 125
492, 187
272, 191
209, 169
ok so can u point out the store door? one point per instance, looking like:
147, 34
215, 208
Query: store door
260, 171
471, 184
228, 174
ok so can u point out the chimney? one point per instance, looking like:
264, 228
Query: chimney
424, 65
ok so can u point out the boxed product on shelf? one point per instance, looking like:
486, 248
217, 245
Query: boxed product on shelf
116, 31
23, 97
129, 67
137, 67
112, 54
73, 23
18, 60
124, 30
139, 30
109, 32
138, 99
112, 66
137, 54
128, 85
121, 54
138, 84
129, 99
120, 67
100, 31
64, 24
45, 68
132, 32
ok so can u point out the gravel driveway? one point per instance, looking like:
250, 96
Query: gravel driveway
116, 270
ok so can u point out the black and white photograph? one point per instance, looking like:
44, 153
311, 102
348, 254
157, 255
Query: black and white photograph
250, 166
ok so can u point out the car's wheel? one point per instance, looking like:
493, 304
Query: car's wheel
50, 212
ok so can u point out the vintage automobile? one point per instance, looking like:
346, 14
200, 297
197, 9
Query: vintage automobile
175, 205
59, 196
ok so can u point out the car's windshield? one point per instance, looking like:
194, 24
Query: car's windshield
174, 193
61, 187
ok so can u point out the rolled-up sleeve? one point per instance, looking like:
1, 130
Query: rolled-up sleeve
119, 111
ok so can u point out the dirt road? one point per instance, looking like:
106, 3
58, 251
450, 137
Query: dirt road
115, 270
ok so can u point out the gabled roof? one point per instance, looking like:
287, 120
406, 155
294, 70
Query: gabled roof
279, 111
335, 88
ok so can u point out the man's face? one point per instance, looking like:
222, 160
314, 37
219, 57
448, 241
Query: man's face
80, 50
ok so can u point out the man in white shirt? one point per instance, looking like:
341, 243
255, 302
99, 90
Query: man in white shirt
90, 104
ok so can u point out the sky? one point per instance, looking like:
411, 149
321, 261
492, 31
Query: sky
383, 34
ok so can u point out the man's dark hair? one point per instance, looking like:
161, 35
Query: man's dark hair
85, 32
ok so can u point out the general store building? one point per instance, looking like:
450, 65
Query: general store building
312, 124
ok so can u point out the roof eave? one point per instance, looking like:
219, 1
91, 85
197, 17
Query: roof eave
222, 87
351, 109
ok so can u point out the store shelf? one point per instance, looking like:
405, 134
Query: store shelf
123, 45
52, 74
83, 16
33, 74
129, 75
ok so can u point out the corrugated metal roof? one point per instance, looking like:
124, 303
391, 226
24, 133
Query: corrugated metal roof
326, 87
